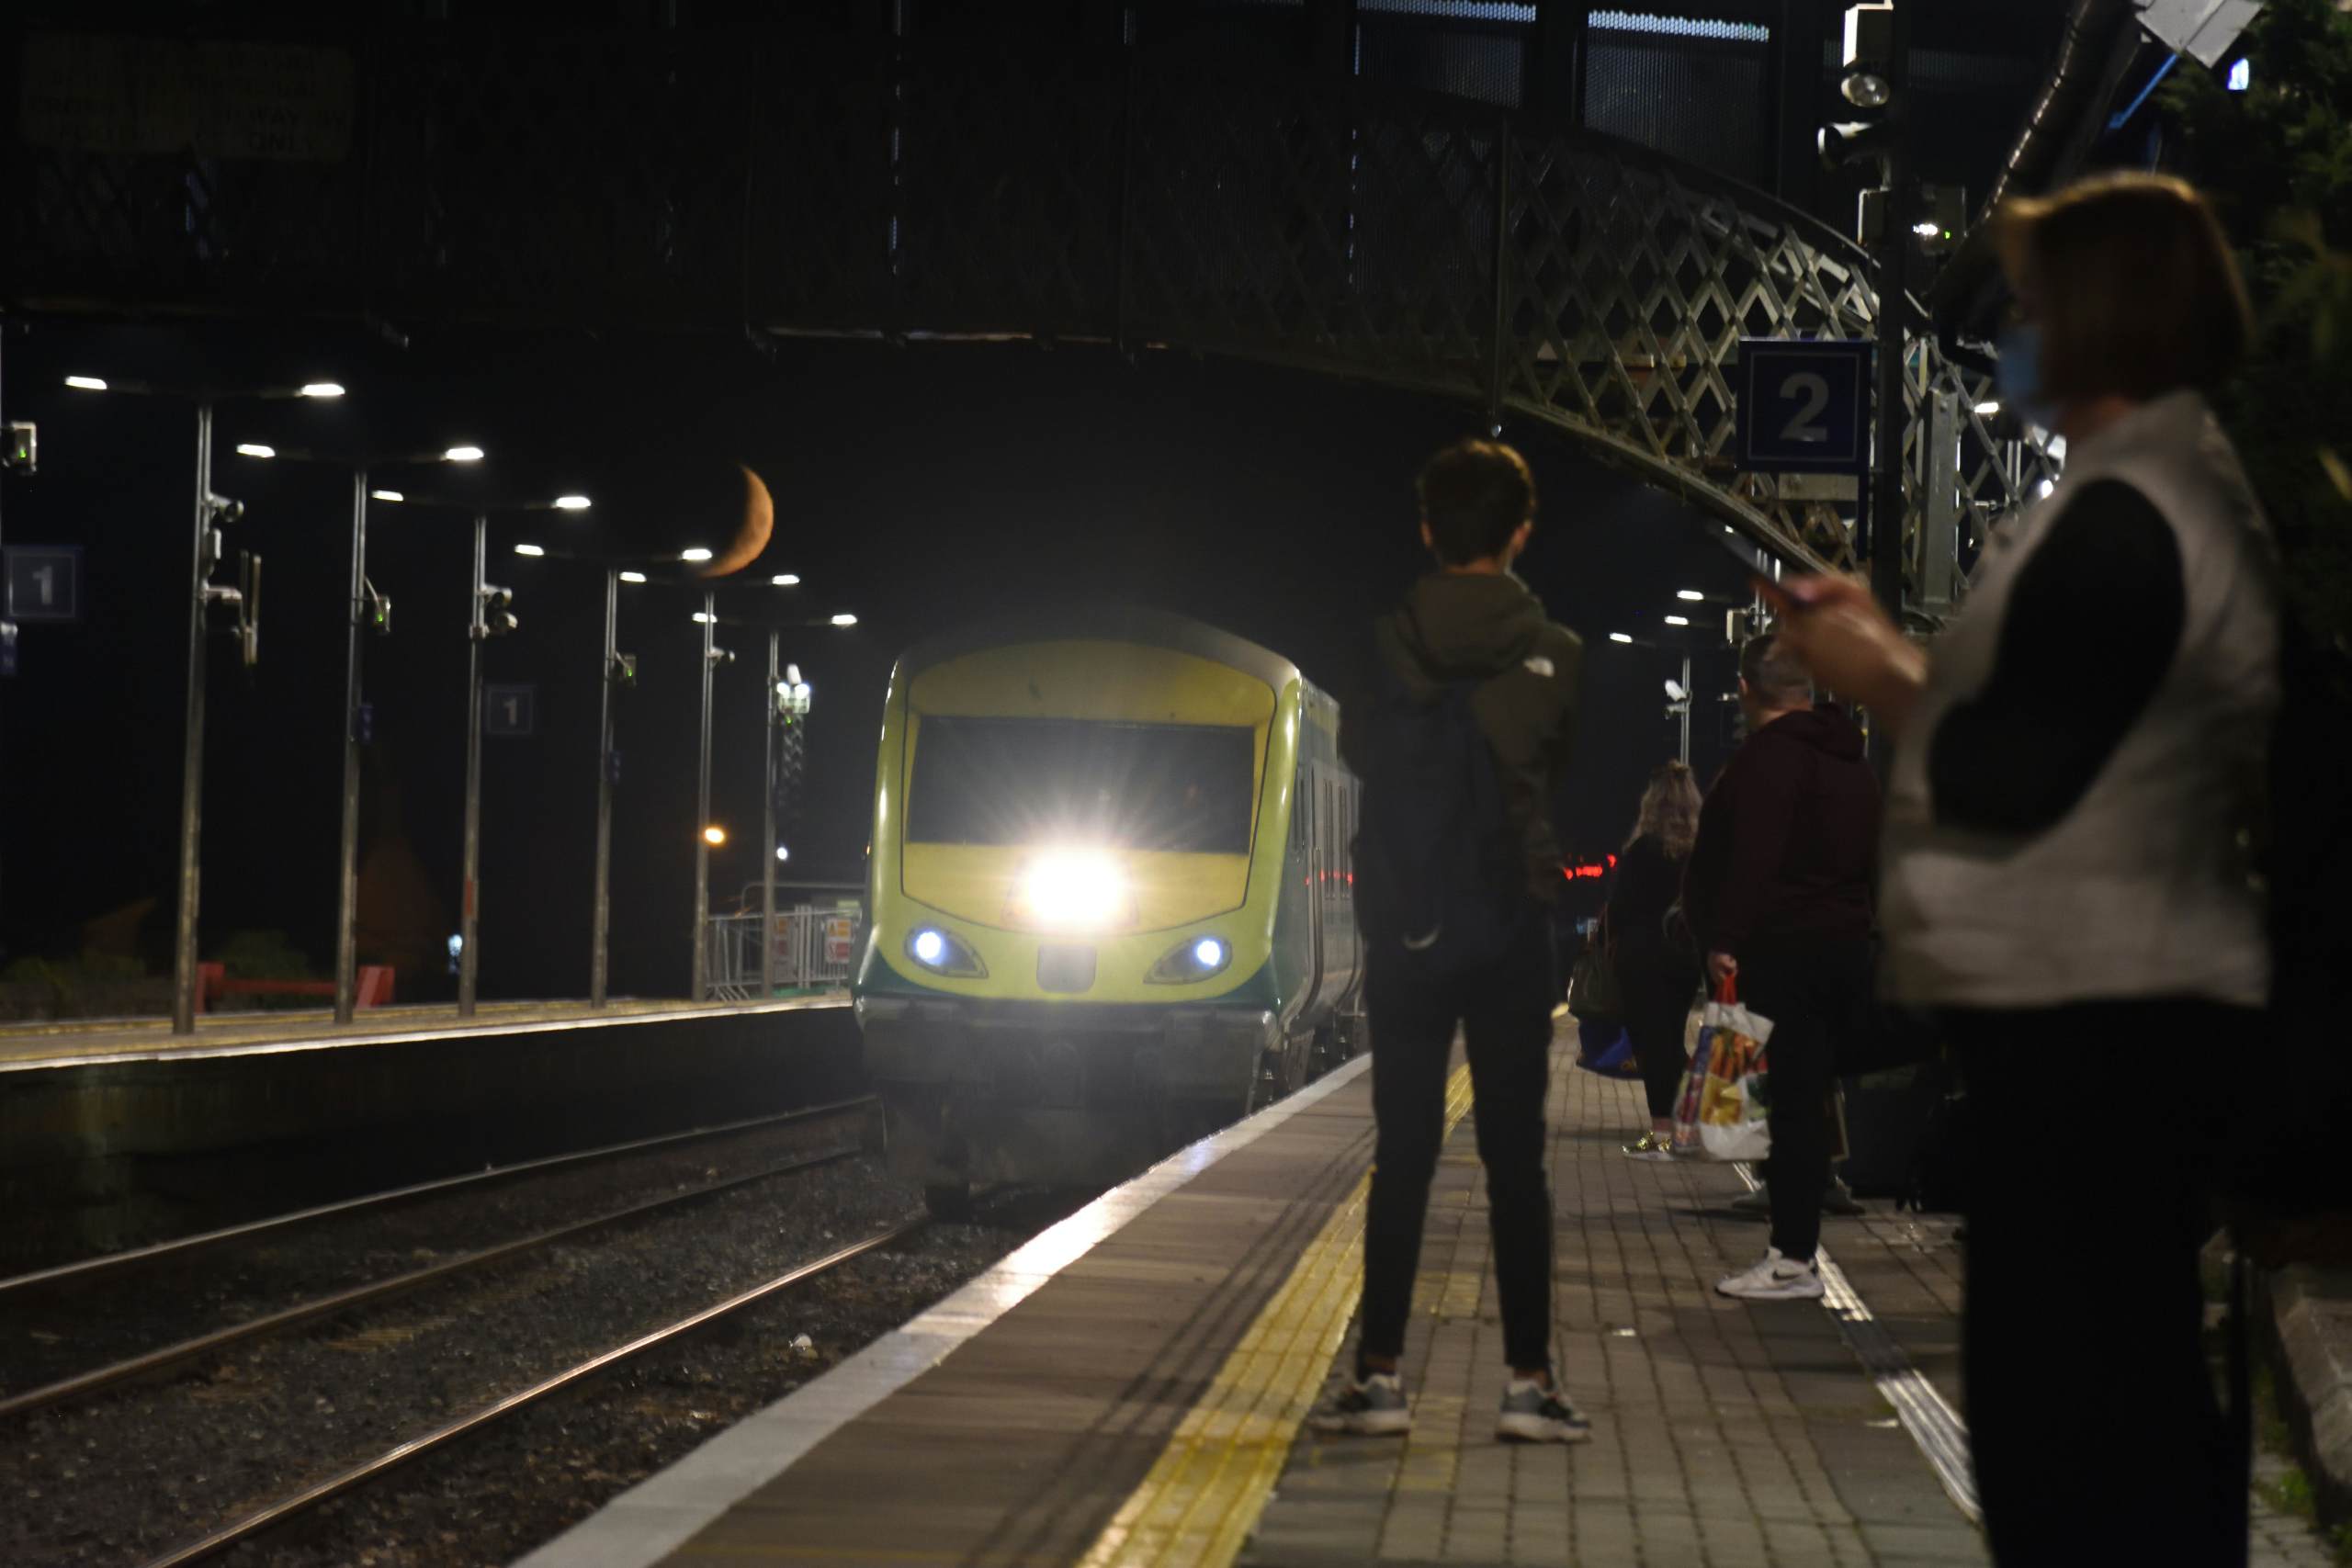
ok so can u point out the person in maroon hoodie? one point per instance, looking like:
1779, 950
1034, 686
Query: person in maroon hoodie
1777, 893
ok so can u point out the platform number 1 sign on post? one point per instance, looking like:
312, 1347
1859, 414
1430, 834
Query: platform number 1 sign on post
509, 713
44, 583
1804, 406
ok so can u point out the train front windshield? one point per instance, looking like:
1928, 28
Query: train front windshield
1189, 789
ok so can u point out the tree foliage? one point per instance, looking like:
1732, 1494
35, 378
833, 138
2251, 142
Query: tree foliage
2277, 161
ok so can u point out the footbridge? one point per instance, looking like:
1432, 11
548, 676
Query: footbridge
866, 185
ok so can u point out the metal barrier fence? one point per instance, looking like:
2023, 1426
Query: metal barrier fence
814, 944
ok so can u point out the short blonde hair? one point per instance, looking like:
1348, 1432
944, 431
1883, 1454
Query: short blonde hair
2133, 285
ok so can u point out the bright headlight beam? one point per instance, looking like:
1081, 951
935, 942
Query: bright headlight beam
1075, 890
1208, 953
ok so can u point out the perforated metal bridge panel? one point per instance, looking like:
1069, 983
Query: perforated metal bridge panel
856, 186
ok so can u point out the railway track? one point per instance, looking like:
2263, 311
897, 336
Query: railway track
278, 1512
107, 1263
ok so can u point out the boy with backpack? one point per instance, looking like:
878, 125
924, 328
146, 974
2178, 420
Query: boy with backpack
1465, 724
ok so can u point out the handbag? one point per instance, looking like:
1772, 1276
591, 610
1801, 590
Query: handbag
1593, 996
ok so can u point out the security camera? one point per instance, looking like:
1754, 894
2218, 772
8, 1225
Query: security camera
224, 510
722, 656
1674, 692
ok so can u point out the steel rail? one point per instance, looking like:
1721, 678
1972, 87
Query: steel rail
88, 1266
360, 1475
360, 1296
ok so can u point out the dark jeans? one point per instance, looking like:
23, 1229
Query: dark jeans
1658, 989
2091, 1134
1810, 991
1505, 1012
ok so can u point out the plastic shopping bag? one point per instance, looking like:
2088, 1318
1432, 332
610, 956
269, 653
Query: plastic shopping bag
1694, 1085
1733, 1096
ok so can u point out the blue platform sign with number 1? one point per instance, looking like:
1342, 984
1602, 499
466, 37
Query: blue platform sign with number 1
1804, 405
44, 583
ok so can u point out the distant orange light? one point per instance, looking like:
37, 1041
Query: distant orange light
714, 835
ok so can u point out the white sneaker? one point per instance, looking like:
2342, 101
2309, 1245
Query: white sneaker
1774, 1279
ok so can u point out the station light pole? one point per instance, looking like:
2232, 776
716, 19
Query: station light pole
490, 612
786, 702
204, 557
366, 612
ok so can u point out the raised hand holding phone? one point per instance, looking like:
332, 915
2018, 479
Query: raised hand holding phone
1849, 643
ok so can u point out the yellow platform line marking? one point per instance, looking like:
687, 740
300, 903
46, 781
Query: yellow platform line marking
1205, 1493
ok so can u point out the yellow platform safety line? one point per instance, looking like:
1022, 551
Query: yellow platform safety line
1206, 1492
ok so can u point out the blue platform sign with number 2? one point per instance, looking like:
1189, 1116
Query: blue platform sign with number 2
44, 582
1804, 405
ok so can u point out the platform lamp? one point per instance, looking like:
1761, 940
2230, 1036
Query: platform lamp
616, 669
775, 705
491, 614
210, 509
366, 611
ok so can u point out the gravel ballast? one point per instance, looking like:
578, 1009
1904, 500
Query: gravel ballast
122, 1476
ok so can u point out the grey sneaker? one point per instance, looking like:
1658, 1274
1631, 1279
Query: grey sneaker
1776, 1279
1534, 1414
1373, 1407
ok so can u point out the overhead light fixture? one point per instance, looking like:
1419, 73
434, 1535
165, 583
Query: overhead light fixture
1926, 229
786, 580
1988, 408
386, 495
783, 853
844, 619
1677, 620
714, 834
632, 577
2240, 76
704, 618
462, 455
529, 550
85, 383
571, 504
322, 388
2041, 490
1689, 595
1619, 636
254, 449
698, 553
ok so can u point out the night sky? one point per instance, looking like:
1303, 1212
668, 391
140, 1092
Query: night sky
917, 487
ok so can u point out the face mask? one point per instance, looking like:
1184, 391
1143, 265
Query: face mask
2017, 374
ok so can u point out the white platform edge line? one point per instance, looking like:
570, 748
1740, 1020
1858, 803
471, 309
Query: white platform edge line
1934, 1426
652, 1519
405, 1036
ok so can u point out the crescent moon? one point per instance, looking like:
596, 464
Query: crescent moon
758, 522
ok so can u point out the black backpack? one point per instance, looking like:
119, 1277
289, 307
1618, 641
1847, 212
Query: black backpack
1440, 879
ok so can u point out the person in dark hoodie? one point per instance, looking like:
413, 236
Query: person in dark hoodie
1472, 621
1777, 893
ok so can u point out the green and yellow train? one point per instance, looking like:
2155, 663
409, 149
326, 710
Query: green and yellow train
1110, 898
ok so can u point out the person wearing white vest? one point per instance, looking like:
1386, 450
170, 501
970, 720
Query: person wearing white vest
2065, 877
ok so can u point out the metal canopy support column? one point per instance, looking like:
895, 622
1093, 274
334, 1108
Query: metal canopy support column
702, 804
184, 957
600, 961
469, 875
767, 823
346, 906
1500, 279
1887, 505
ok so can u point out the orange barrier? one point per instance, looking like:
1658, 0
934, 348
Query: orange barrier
374, 991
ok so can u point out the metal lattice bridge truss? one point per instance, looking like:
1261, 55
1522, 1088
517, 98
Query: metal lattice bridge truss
826, 185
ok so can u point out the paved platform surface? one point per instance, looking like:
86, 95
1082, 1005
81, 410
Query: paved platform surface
1130, 1388
87, 1042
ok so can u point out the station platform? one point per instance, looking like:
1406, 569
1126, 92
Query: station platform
76, 1043
1131, 1386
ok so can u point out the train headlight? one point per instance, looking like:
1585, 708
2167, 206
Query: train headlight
1195, 958
942, 953
1075, 891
